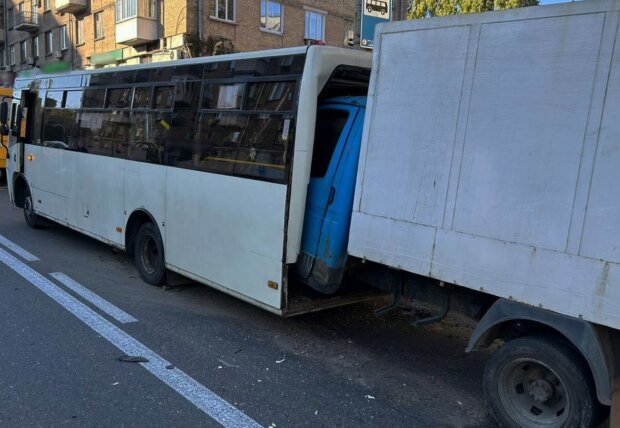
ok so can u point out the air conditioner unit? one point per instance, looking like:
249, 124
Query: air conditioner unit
58, 54
169, 55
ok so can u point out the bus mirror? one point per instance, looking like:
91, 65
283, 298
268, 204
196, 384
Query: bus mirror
4, 113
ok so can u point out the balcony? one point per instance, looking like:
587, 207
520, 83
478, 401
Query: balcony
136, 31
26, 21
70, 6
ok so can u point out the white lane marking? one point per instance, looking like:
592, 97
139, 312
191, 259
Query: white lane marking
107, 307
29, 257
199, 395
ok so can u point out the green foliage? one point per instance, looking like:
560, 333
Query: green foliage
430, 8
212, 45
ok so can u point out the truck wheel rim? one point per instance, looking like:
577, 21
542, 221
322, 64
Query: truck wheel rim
149, 254
533, 394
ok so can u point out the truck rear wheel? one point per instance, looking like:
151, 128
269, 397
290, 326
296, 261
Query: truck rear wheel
539, 382
149, 254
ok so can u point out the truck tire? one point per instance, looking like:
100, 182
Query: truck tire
537, 381
32, 219
149, 254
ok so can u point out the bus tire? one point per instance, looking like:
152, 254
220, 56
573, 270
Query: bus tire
537, 381
32, 219
149, 254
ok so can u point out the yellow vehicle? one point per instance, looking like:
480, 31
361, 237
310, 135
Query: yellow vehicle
4, 139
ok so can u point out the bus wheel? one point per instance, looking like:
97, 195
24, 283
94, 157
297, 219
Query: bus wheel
537, 381
149, 255
32, 219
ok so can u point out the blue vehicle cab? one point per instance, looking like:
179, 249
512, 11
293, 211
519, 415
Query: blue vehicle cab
329, 202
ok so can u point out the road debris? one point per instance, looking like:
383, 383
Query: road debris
132, 359
280, 361
224, 363
370, 397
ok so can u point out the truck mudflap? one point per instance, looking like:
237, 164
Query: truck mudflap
593, 342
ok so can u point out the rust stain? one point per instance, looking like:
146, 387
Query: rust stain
603, 280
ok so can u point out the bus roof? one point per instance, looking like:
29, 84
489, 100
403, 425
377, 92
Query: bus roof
182, 62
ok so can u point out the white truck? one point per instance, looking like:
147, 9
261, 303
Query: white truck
490, 161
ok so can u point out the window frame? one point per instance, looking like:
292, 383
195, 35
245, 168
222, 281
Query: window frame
23, 51
35, 47
64, 38
213, 11
49, 43
264, 26
98, 24
79, 32
308, 33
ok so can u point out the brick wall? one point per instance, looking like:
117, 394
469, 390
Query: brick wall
246, 34
178, 17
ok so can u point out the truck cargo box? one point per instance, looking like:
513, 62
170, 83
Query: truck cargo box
491, 155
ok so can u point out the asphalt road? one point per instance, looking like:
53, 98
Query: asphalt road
212, 358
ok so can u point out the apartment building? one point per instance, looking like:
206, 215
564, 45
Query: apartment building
52, 34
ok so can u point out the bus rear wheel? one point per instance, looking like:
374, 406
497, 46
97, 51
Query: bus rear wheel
32, 219
149, 255
538, 381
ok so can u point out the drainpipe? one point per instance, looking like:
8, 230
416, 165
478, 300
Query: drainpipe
199, 20
6, 33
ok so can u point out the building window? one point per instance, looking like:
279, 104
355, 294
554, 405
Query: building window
12, 52
2, 61
151, 11
126, 9
271, 16
35, 46
79, 31
47, 5
98, 25
64, 42
315, 25
23, 51
223, 9
49, 43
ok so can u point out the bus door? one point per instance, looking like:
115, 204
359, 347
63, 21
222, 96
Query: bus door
330, 193
22, 113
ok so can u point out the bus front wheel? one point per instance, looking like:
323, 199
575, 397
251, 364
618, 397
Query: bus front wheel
149, 255
32, 219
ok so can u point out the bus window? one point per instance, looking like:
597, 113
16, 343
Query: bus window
142, 97
54, 99
163, 97
93, 98
222, 96
247, 145
73, 99
270, 96
118, 98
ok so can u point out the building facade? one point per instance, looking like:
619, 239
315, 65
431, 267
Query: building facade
52, 34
